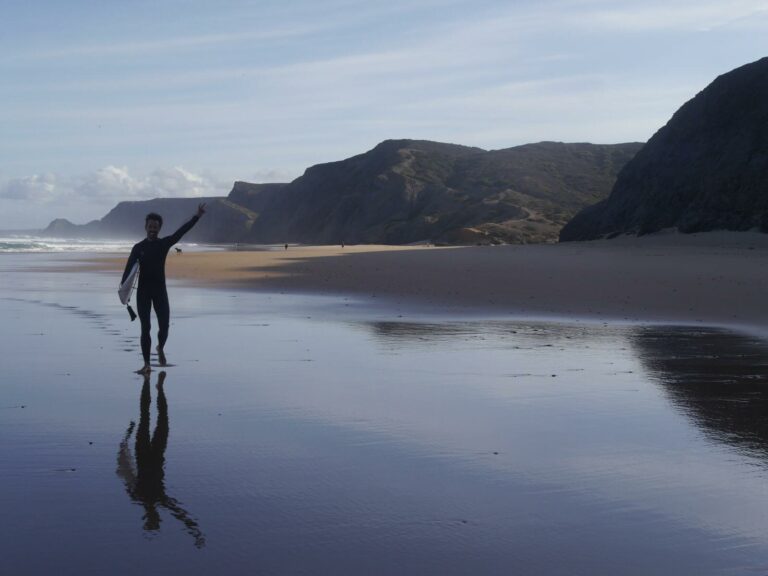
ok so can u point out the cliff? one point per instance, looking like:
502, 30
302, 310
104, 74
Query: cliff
706, 169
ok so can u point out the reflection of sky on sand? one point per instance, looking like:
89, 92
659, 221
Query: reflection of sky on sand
315, 437
566, 407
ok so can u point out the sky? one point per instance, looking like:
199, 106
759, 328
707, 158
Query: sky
103, 101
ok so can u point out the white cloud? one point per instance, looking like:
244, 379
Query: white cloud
182, 43
648, 16
106, 183
177, 182
33, 201
113, 183
36, 188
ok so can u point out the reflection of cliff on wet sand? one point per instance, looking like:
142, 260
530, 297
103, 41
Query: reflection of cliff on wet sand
718, 378
144, 482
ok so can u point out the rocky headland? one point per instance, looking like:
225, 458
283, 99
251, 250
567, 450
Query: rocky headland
706, 169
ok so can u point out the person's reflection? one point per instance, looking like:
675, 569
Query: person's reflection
144, 480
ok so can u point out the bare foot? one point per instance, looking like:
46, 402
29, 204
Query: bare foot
145, 370
161, 357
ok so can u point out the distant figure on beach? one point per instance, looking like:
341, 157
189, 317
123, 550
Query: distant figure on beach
178, 250
151, 254
144, 481
286, 246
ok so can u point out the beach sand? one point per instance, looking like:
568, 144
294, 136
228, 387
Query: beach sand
712, 278
304, 434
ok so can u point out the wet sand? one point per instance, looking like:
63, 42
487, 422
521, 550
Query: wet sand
712, 279
295, 435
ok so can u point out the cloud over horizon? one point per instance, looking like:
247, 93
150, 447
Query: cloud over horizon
90, 195
110, 184
38, 188
116, 183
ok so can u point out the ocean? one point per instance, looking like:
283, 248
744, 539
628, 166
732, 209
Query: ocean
27, 243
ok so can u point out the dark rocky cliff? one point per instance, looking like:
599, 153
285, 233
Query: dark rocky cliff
707, 169
405, 191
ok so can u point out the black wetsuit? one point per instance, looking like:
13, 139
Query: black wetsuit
151, 292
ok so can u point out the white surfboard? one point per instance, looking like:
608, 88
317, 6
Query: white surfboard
126, 288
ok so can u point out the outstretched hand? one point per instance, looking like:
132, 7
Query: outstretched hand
200, 209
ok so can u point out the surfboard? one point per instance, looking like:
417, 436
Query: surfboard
126, 288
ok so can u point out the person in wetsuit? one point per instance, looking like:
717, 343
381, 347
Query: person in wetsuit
151, 253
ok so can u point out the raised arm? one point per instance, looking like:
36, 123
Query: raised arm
176, 236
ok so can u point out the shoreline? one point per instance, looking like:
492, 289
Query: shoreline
713, 279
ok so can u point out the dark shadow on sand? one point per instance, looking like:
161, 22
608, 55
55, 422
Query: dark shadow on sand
144, 475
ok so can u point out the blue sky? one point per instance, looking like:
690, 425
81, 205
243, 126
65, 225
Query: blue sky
102, 101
